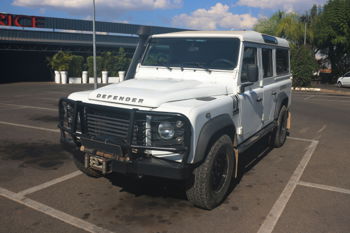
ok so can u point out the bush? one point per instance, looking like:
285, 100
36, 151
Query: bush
113, 64
303, 65
76, 66
60, 61
90, 65
108, 63
122, 61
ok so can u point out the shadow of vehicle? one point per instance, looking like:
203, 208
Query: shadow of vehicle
167, 188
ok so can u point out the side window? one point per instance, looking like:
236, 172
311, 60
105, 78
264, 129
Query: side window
282, 61
250, 63
347, 75
267, 62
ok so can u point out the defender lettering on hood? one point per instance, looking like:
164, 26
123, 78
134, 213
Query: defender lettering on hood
122, 99
154, 92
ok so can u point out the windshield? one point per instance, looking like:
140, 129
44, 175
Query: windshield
206, 53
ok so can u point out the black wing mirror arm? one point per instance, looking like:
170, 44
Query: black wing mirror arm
244, 85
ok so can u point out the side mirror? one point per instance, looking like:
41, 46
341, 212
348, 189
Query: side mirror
252, 73
244, 85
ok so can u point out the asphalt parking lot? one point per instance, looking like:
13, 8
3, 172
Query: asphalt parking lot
302, 187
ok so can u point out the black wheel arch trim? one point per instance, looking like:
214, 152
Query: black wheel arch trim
209, 129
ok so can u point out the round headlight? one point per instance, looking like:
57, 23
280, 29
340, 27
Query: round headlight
166, 130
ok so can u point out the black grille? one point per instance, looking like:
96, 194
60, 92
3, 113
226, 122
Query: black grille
107, 126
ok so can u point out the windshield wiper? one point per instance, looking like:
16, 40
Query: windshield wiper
166, 66
197, 65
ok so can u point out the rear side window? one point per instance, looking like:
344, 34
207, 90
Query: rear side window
282, 61
267, 62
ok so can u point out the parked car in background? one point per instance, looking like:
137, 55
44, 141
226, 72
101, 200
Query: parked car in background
344, 81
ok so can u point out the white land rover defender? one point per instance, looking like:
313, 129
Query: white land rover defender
192, 102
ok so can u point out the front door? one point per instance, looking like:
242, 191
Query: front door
251, 100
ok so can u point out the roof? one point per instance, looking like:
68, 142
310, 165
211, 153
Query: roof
250, 36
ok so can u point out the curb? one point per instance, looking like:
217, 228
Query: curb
312, 89
306, 89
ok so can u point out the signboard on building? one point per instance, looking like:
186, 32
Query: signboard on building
21, 21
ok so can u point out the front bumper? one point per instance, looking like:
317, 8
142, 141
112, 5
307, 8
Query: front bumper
116, 139
140, 166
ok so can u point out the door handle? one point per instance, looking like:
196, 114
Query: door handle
274, 93
259, 99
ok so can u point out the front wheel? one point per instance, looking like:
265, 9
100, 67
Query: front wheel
213, 177
339, 84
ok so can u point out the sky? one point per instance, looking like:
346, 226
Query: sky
190, 14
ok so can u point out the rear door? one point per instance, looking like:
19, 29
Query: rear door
251, 100
269, 84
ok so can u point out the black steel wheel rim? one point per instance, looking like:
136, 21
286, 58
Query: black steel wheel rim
219, 170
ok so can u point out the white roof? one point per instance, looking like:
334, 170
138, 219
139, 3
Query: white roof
250, 36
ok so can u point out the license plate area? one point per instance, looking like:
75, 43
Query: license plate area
98, 163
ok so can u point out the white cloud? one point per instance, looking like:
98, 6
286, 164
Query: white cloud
286, 5
217, 17
105, 6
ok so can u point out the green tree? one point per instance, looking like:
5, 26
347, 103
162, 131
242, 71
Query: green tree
285, 25
332, 35
269, 25
303, 65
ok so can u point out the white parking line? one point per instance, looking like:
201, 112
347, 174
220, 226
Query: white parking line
277, 209
309, 97
72, 220
324, 187
338, 101
302, 139
33, 107
30, 127
49, 183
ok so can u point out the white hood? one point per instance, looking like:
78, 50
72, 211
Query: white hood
154, 92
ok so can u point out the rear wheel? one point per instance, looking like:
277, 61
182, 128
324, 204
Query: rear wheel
279, 135
339, 84
213, 177
79, 162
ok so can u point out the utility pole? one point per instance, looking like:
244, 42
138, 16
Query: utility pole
94, 44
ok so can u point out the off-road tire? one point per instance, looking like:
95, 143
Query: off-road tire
79, 163
279, 135
201, 192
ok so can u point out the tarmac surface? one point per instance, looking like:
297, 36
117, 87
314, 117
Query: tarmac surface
303, 186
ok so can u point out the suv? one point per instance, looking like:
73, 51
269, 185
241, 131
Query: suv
192, 102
